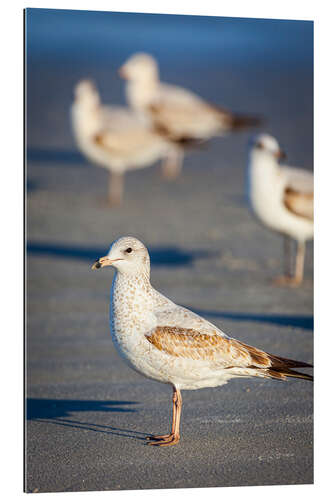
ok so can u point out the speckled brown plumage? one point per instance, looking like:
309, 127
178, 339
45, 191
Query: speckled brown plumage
298, 203
228, 352
171, 344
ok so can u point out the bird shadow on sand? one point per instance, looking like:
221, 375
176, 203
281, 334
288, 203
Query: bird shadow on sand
169, 256
31, 186
55, 156
60, 411
297, 321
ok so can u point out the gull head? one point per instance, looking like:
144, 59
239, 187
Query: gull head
128, 255
140, 67
267, 145
86, 93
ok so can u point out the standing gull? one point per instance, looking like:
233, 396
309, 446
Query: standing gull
171, 344
282, 198
114, 138
176, 112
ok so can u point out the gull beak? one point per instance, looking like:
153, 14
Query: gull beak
122, 72
281, 155
103, 262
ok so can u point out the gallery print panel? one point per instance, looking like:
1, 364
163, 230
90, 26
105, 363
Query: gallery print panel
169, 286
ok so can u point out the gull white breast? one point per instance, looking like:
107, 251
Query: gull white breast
171, 344
282, 198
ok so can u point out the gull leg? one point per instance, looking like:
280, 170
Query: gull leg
299, 268
287, 255
285, 278
297, 279
116, 188
172, 165
174, 437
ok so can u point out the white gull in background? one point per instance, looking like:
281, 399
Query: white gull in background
114, 138
171, 344
282, 198
176, 112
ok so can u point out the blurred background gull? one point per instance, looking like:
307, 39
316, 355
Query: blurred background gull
115, 138
173, 111
208, 253
282, 198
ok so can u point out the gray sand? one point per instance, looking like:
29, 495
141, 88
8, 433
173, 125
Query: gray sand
88, 412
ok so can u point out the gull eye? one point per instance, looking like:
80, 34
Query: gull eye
128, 250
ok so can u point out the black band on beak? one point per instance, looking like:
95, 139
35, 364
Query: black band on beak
97, 265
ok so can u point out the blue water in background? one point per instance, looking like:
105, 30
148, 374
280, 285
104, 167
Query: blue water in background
81, 35
255, 66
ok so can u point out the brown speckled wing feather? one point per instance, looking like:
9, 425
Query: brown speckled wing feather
298, 203
189, 343
125, 141
224, 351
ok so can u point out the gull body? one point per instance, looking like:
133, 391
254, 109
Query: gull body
114, 138
282, 198
171, 344
175, 111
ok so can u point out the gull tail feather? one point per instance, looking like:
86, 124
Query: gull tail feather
283, 367
282, 374
240, 122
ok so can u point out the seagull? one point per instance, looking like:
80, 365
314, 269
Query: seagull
174, 111
115, 138
171, 344
282, 198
